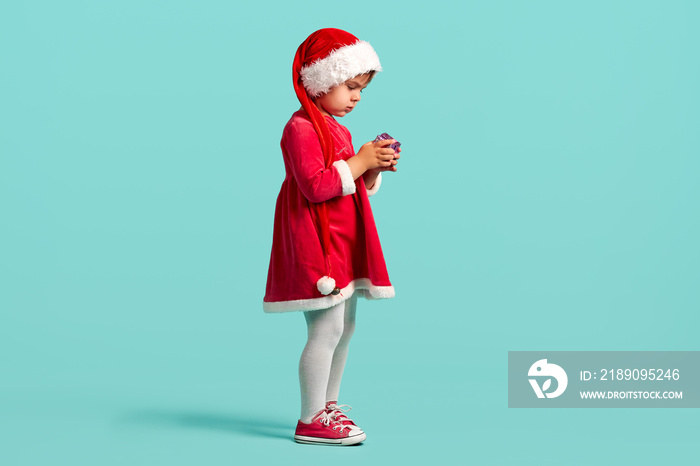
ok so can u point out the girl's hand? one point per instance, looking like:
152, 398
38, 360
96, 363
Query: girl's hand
378, 155
374, 157
392, 168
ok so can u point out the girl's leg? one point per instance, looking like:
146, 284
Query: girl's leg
325, 328
341, 350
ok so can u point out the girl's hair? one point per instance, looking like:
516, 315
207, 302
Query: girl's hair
371, 76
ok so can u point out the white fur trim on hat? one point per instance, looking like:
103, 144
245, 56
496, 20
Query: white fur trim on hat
375, 187
345, 176
340, 65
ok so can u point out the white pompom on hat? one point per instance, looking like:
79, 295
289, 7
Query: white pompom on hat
325, 285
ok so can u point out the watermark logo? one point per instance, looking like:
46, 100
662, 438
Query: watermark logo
544, 369
603, 379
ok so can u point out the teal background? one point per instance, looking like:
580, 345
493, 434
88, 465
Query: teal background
547, 199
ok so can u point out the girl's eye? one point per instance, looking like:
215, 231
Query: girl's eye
352, 88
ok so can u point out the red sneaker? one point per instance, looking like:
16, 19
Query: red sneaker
337, 413
323, 430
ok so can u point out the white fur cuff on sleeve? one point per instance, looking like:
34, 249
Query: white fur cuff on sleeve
375, 188
345, 177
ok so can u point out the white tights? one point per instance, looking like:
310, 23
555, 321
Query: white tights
323, 359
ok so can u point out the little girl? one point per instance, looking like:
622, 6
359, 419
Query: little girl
325, 247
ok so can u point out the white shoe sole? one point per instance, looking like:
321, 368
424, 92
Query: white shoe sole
352, 440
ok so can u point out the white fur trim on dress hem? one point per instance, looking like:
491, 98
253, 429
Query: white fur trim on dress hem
375, 188
361, 284
345, 176
340, 65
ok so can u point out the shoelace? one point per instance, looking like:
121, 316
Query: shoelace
337, 413
327, 419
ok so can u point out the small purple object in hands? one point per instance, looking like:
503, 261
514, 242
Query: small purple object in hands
384, 137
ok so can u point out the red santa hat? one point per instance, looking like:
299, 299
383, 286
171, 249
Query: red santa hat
327, 58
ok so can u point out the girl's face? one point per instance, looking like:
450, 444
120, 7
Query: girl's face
340, 100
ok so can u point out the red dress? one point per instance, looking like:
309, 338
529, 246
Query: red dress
297, 260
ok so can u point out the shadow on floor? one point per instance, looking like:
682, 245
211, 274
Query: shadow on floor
226, 422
